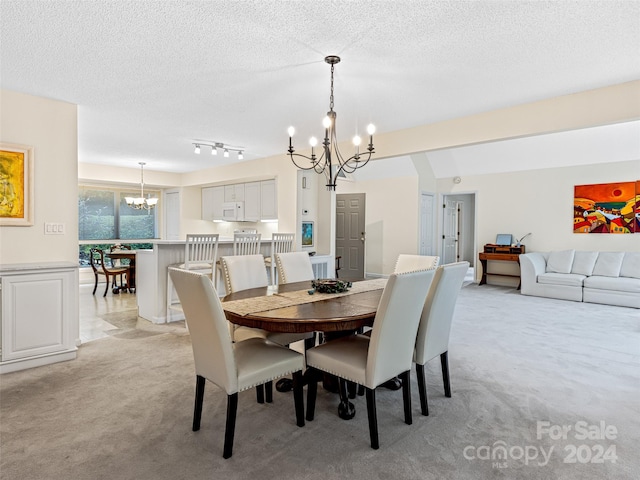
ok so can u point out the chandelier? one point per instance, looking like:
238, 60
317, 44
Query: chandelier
331, 161
141, 203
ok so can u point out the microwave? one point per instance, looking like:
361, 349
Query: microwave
233, 211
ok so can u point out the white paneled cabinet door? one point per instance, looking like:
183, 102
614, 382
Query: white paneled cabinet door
39, 314
268, 200
234, 193
252, 202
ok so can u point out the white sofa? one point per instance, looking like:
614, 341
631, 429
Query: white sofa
612, 278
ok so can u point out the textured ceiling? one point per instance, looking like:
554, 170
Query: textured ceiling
151, 77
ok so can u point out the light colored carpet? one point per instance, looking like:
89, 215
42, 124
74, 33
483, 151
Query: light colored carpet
123, 409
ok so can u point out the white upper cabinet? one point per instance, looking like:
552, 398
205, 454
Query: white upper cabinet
259, 198
234, 193
252, 202
212, 200
268, 200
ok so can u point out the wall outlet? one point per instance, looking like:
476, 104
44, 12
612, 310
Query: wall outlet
54, 228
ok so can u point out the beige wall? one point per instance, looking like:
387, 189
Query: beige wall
50, 127
392, 219
541, 202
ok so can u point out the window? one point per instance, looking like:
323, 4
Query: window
103, 214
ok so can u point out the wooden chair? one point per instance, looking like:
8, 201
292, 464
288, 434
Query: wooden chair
100, 267
234, 367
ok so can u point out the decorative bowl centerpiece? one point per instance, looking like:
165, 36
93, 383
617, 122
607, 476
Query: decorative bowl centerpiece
330, 285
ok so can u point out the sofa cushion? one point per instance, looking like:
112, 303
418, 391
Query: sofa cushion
631, 265
608, 264
620, 284
568, 279
583, 263
560, 262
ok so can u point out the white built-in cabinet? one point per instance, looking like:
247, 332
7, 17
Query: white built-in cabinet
39, 314
252, 199
268, 200
259, 198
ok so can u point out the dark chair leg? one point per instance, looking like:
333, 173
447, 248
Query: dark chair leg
360, 390
352, 389
232, 409
346, 409
298, 399
373, 418
422, 389
312, 390
406, 396
197, 410
106, 287
268, 392
260, 393
444, 360
95, 287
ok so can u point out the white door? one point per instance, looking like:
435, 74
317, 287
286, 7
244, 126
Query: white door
172, 215
450, 231
350, 234
427, 224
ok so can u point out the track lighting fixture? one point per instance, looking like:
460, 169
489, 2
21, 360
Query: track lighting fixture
219, 145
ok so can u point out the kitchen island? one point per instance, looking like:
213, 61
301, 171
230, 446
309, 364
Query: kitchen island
151, 274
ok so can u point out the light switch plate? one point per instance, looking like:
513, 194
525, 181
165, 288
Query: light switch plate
54, 228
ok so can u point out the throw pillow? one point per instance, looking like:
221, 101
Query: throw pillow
560, 262
583, 263
631, 265
608, 264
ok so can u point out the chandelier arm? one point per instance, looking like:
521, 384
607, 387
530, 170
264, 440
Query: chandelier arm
314, 162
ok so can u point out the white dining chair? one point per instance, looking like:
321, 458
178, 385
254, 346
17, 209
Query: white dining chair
200, 254
280, 243
435, 325
371, 361
294, 267
407, 262
243, 272
234, 367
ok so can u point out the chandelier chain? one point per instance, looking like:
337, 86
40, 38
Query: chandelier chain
331, 96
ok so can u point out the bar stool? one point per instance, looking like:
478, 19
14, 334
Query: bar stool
280, 243
200, 255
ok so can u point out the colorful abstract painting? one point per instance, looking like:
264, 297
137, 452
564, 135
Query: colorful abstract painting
16, 185
607, 208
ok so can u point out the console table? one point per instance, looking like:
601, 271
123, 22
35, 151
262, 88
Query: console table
501, 253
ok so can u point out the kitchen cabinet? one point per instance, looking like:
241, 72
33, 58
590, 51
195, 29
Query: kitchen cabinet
252, 202
212, 200
259, 200
234, 193
268, 200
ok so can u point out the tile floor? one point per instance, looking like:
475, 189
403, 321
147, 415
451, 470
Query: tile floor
115, 315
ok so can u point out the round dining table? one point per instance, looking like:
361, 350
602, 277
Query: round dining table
333, 315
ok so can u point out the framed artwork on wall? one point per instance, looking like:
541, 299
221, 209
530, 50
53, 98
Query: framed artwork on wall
16, 185
607, 208
307, 234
